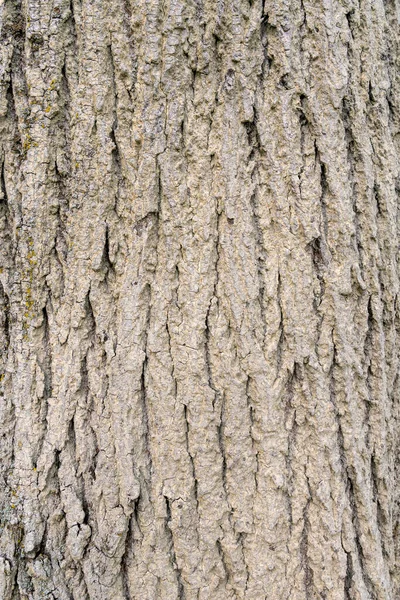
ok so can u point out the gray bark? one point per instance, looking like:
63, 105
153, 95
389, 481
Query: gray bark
199, 333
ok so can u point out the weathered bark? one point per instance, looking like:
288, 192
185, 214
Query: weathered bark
200, 299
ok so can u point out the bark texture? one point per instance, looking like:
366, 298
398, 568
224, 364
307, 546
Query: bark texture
199, 334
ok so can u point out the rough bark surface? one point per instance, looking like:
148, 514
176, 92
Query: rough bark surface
199, 228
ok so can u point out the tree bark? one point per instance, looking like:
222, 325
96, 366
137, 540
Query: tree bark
199, 333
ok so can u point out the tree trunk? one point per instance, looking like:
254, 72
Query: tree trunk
200, 300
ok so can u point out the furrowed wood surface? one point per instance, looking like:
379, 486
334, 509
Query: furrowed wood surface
200, 300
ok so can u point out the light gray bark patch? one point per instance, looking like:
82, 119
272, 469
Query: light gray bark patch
199, 300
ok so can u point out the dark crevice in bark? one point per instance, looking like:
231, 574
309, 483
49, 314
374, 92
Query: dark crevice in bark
319, 261
305, 561
368, 345
62, 133
285, 81
194, 75
350, 22
357, 535
352, 159
125, 562
187, 432
348, 589
347, 477
377, 197
5, 327
62, 167
106, 261
91, 322
304, 127
222, 559
217, 55
46, 366
8, 421
396, 475
241, 539
5, 261
221, 444
324, 191
93, 464
253, 140
135, 520
171, 357
4, 207
280, 345
73, 21
370, 93
143, 387
127, 19
181, 589
15, 127
207, 334
40, 551
303, 10
265, 28
115, 153
261, 255
382, 518
70, 441
86, 507
292, 428
45, 363
116, 156
60, 253
252, 412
